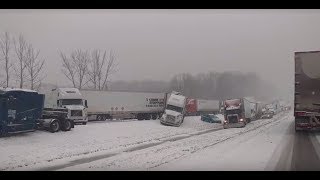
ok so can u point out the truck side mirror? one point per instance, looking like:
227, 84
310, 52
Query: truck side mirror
86, 103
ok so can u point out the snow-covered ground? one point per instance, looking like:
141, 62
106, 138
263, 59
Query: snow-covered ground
41, 149
249, 148
256, 150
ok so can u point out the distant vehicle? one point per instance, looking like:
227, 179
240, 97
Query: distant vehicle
211, 118
174, 111
71, 99
103, 105
307, 94
267, 115
202, 106
191, 107
258, 112
238, 112
23, 111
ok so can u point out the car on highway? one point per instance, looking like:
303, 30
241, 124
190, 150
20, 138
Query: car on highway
211, 118
267, 115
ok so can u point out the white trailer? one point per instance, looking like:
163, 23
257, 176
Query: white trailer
207, 106
104, 105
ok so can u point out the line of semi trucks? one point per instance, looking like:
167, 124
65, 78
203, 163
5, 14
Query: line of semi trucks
61, 108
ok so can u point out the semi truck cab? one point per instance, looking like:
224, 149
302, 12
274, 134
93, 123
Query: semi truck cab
234, 115
175, 110
71, 99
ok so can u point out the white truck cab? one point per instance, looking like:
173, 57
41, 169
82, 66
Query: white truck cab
71, 99
175, 110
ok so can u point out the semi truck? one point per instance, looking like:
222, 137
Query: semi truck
238, 112
197, 107
103, 105
23, 110
306, 90
69, 98
175, 110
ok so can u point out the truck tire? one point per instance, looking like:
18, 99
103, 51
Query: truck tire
147, 116
84, 123
54, 126
139, 117
67, 125
3, 132
99, 118
154, 116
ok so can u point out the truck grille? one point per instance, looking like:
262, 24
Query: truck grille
170, 118
233, 119
76, 112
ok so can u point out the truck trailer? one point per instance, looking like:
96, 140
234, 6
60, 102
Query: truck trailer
306, 91
197, 107
103, 105
23, 110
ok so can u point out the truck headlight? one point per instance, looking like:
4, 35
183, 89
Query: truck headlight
241, 120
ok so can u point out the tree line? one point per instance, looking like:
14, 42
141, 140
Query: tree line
21, 65
210, 85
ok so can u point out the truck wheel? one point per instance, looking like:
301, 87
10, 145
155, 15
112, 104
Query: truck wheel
99, 118
147, 116
84, 123
154, 116
66, 125
3, 132
54, 126
139, 117
104, 118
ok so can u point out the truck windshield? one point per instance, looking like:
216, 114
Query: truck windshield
234, 111
174, 108
66, 102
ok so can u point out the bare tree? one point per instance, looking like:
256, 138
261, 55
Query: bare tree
20, 50
110, 69
95, 74
34, 66
68, 68
75, 68
5, 45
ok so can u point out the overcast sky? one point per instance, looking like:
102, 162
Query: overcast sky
156, 44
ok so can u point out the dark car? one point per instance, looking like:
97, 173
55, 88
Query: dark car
211, 118
267, 115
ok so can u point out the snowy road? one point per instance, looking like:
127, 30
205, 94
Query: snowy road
168, 155
269, 144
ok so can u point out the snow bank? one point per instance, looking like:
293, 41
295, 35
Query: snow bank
41, 148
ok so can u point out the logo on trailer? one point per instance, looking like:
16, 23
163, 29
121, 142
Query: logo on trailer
112, 109
116, 108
